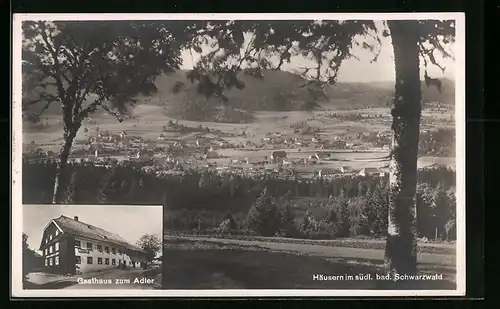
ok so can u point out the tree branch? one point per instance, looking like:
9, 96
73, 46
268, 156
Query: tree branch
287, 48
55, 74
424, 52
90, 109
115, 113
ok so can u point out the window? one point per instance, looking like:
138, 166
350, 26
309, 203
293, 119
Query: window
89, 260
57, 232
130, 263
99, 248
106, 249
78, 244
46, 240
113, 250
50, 237
78, 259
46, 262
45, 251
113, 262
106, 261
50, 261
50, 249
99, 261
57, 260
119, 251
57, 246
89, 245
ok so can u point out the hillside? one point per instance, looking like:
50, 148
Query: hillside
278, 86
281, 91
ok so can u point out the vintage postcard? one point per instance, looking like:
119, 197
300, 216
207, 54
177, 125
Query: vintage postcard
289, 154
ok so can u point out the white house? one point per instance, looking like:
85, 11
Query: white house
70, 246
328, 172
346, 169
313, 159
369, 171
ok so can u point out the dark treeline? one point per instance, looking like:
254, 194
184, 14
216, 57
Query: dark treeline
199, 201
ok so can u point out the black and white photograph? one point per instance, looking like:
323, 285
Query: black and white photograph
292, 154
92, 247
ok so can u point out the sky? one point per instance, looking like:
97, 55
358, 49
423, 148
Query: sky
355, 70
129, 222
361, 69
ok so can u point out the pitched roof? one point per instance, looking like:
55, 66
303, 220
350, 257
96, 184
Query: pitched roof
79, 228
371, 170
279, 153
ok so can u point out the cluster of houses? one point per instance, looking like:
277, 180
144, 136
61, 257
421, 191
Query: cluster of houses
327, 173
278, 163
200, 150
376, 139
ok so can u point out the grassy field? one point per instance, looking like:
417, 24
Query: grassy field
356, 243
199, 264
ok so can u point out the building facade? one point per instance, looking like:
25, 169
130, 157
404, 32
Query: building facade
70, 246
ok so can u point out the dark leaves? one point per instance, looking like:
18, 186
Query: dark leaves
254, 72
112, 60
178, 87
435, 36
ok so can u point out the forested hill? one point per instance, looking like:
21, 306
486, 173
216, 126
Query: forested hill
280, 90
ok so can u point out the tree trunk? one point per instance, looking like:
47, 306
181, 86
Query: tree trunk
401, 246
59, 182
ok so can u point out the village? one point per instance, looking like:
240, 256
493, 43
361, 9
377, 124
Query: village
299, 154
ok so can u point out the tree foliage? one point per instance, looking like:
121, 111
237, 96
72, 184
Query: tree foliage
71, 190
239, 47
249, 47
287, 223
151, 244
86, 65
376, 210
263, 215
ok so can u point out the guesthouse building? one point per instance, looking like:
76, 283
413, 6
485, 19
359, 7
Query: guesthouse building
71, 246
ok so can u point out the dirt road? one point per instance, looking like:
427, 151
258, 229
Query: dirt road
371, 256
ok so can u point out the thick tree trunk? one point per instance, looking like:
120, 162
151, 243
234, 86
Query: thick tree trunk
59, 182
401, 246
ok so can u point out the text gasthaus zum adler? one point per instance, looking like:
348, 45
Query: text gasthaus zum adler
138, 280
367, 277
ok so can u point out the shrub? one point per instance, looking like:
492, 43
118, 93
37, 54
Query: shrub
263, 215
232, 222
287, 224
376, 210
343, 224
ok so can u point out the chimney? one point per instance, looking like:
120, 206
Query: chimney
75, 218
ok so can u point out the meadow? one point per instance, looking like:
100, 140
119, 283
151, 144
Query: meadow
195, 264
